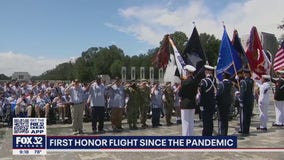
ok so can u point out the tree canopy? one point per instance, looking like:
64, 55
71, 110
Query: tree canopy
109, 60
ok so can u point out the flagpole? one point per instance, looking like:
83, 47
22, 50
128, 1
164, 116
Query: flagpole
238, 83
172, 43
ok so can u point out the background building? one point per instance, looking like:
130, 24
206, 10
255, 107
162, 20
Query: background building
21, 76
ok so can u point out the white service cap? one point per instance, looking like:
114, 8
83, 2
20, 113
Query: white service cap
189, 68
208, 67
280, 71
265, 76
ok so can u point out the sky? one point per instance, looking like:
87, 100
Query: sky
37, 35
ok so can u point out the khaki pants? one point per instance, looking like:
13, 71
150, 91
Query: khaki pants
27, 109
77, 116
116, 117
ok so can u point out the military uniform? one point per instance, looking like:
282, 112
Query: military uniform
168, 103
246, 103
224, 99
144, 105
187, 93
263, 102
132, 106
207, 103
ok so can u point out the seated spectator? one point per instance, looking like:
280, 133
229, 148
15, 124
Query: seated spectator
22, 107
42, 105
59, 104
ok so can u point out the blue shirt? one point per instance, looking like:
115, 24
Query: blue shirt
117, 96
156, 98
97, 93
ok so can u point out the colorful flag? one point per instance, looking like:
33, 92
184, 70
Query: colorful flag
178, 59
161, 58
193, 53
228, 60
239, 48
170, 71
257, 59
278, 63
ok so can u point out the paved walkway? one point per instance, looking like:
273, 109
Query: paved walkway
273, 138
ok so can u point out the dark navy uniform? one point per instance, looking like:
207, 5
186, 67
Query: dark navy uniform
224, 100
188, 104
246, 103
207, 102
187, 93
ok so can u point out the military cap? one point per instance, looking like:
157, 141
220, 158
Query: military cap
280, 71
208, 67
265, 76
189, 68
246, 70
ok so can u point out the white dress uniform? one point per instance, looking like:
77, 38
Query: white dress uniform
263, 103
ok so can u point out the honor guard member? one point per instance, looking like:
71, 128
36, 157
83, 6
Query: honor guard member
224, 100
207, 89
132, 105
168, 99
246, 101
263, 102
144, 106
279, 99
187, 93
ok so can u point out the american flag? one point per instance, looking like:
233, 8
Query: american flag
278, 63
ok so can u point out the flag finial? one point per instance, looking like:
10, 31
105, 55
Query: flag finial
223, 23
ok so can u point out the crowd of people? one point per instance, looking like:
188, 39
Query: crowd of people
60, 101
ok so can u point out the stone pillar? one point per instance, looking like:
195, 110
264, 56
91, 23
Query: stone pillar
151, 74
133, 74
142, 73
161, 75
123, 73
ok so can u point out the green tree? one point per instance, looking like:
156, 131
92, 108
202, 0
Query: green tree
4, 77
179, 39
109, 60
211, 47
281, 26
115, 68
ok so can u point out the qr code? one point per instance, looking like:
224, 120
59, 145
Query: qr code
21, 126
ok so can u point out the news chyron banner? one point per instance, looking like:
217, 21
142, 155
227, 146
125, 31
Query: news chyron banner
29, 136
135, 143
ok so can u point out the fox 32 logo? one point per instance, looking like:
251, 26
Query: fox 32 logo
29, 144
